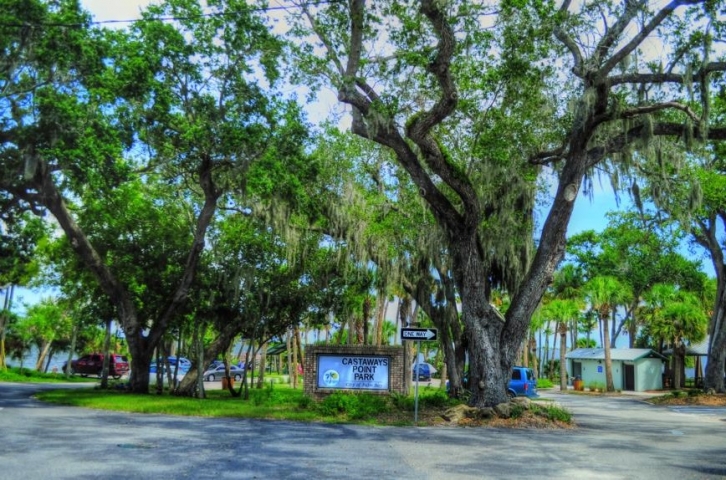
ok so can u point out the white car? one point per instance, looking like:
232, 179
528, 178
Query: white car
216, 373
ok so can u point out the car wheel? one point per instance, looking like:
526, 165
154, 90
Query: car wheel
210, 378
237, 377
511, 394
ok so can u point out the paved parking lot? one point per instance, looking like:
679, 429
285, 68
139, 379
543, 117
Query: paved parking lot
618, 438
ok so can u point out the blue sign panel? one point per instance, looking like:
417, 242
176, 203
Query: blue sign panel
353, 372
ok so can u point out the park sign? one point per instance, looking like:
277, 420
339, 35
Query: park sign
418, 333
357, 372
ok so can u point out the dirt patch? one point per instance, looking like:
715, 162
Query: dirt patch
686, 398
437, 417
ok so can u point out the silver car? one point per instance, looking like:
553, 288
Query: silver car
215, 373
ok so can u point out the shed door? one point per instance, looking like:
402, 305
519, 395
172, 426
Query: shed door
577, 369
629, 372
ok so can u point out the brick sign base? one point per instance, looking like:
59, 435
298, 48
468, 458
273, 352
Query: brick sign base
396, 382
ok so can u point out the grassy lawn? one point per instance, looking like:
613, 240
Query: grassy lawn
275, 401
281, 402
15, 374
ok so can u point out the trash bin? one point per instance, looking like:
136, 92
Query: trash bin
578, 384
227, 382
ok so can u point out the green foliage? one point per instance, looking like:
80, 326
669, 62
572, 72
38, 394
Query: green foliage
403, 402
544, 383
517, 410
552, 412
357, 406
305, 402
596, 386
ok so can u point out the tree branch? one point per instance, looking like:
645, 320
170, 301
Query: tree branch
658, 78
642, 35
419, 129
613, 34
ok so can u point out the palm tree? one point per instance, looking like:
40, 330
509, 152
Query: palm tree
563, 311
605, 294
678, 317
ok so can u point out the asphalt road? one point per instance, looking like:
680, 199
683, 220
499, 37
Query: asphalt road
617, 438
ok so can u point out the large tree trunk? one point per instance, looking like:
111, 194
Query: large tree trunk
492, 349
715, 371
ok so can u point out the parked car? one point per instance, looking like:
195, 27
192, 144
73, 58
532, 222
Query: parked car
179, 376
218, 372
92, 364
214, 364
523, 383
184, 364
422, 372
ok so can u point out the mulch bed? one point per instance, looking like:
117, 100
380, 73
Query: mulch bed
712, 400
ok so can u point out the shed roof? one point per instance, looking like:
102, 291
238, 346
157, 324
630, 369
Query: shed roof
277, 349
697, 350
619, 354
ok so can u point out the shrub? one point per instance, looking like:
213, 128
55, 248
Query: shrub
544, 383
596, 386
354, 406
305, 402
517, 410
402, 402
552, 412
437, 398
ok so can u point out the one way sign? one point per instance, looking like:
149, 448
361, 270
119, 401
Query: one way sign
419, 333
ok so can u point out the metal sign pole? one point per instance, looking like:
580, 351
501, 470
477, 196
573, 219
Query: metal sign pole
415, 372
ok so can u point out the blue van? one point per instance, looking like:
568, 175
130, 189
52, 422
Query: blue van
523, 383
422, 372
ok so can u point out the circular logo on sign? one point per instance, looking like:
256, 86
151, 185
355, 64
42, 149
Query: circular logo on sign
331, 378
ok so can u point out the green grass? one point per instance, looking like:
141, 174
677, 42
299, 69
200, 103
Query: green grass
280, 403
14, 374
276, 401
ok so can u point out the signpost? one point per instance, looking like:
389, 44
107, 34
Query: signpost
418, 334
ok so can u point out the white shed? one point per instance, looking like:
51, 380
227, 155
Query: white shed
634, 369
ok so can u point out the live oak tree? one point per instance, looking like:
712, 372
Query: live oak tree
86, 110
556, 86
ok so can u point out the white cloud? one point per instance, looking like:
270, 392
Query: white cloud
104, 10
